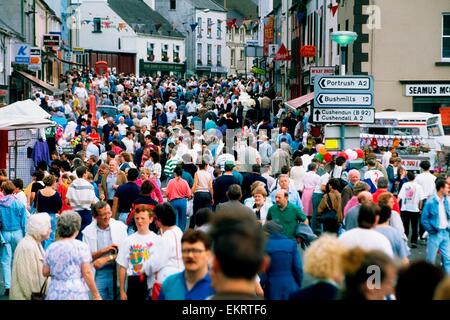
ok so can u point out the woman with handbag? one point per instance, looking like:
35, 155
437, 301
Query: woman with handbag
330, 208
27, 275
68, 262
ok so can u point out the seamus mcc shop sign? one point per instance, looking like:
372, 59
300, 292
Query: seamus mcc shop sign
427, 90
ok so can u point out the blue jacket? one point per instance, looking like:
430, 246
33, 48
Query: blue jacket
430, 214
285, 273
40, 153
13, 215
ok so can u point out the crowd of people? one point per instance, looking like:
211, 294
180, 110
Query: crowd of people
211, 189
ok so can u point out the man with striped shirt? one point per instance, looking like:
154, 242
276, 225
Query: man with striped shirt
171, 164
80, 196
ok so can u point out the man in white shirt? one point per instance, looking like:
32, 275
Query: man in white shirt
373, 173
436, 221
103, 236
122, 126
411, 196
80, 196
364, 236
129, 143
426, 180
91, 148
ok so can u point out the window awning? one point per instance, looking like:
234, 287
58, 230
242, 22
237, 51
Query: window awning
44, 85
297, 102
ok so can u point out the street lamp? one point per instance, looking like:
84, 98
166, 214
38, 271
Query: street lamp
343, 38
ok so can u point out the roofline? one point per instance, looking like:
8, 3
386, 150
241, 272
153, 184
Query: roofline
160, 36
224, 10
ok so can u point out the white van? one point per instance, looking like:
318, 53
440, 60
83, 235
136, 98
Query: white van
412, 128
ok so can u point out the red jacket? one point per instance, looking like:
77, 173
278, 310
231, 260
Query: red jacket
380, 191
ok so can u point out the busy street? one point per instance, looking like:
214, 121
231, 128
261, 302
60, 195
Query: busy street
223, 150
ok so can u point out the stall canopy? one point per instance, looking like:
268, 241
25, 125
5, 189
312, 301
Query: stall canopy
24, 115
297, 102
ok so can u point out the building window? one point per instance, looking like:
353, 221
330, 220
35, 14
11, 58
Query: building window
199, 27
219, 29
241, 55
97, 25
446, 36
165, 52
173, 4
176, 53
241, 35
209, 52
199, 53
209, 28
233, 57
219, 55
150, 51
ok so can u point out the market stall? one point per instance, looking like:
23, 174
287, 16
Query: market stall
23, 120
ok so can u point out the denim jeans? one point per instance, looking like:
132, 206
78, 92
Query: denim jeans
180, 206
86, 219
7, 249
50, 240
105, 282
439, 241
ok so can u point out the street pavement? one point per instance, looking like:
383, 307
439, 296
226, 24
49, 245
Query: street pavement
416, 254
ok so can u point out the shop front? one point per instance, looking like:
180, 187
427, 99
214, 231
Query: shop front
24, 85
430, 96
160, 68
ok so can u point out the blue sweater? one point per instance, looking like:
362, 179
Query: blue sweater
13, 215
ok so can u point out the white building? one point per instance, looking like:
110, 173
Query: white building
244, 31
206, 44
131, 37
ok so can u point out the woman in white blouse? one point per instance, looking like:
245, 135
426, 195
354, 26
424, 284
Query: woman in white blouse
259, 202
297, 174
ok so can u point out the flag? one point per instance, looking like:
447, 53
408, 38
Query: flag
193, 26
231, 23
334, 9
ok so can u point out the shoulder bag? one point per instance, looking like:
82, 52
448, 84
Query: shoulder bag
330, 214
41, 294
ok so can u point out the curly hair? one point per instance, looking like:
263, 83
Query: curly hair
69, 222
323, 259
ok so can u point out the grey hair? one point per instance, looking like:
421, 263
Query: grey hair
69, 223
38, 225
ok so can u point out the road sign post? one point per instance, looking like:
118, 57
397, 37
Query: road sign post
343, 100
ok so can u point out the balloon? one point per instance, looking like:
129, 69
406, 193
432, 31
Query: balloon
343, 154
348, 152
360, 154
353, 155
327, 157
319, 146
319, 157
322, 150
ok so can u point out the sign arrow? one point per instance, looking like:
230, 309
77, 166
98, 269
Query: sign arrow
345, 99
317, 113
346, 83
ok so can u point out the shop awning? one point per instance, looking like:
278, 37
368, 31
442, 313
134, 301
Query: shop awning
44, 85
297, 102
